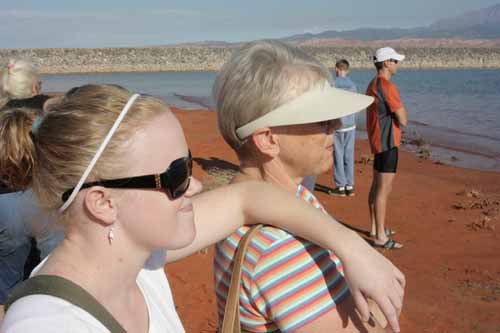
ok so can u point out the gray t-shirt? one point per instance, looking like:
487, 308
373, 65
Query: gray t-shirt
21, 221
346, 83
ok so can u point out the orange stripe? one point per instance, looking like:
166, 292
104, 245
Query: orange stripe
300, 294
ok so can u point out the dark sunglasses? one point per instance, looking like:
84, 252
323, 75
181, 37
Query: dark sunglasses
394, 61
175, 180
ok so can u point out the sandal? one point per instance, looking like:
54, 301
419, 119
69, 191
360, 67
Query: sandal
391, 244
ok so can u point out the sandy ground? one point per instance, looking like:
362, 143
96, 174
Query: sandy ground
447, 218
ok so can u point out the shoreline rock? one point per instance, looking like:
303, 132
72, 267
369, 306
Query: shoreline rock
195, 58
454, 268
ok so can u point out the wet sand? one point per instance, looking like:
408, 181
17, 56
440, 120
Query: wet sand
448, 219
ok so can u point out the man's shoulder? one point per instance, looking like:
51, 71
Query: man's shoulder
380, 82
386, 83
372, 84
345, 82
348, 79
351, 84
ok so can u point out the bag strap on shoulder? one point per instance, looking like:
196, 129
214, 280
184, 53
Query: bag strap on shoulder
60, 287
231, 322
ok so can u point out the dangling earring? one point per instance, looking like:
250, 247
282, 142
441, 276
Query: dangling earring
111, 235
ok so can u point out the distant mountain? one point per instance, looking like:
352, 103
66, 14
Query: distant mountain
206, 43
484, 17
474, 29
364, 34
480, 24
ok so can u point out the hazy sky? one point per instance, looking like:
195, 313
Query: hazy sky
97, 23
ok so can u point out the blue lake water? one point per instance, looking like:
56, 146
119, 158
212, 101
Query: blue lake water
456, 111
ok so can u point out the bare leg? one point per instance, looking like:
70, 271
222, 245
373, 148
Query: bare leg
382, 191
371, 204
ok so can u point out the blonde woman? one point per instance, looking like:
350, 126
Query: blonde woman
277, 110
20, 86
117, 169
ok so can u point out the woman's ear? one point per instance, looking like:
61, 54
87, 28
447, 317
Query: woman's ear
100, 204
266, 142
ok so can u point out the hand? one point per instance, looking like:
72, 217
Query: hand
372, 276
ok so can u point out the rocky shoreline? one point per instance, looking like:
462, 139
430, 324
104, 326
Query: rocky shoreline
453, 272
195, 58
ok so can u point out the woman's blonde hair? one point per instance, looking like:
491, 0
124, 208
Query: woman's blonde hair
17, 80
64, 140
258, 78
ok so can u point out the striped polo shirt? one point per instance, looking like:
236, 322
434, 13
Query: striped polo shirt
383, 128
287, 282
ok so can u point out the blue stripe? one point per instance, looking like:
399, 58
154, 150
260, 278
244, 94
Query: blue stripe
331, 283
264, 268
326, 267
314, 316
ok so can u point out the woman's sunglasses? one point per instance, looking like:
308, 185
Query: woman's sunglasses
175, 180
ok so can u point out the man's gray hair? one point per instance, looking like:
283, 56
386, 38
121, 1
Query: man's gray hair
259, 77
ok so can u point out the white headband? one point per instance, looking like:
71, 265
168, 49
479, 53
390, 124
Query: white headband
99, 152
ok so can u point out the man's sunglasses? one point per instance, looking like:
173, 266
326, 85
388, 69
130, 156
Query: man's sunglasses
175, 180
394, 61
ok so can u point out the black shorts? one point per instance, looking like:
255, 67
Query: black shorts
386, 161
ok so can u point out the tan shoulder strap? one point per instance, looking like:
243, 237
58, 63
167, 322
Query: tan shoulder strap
231, 323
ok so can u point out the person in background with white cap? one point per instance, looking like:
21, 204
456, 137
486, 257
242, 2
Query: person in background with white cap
277, 109
383, 122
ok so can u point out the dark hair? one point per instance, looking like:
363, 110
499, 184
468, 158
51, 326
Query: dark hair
342, 64
379, 65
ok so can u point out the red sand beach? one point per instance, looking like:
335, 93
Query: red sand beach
447, 218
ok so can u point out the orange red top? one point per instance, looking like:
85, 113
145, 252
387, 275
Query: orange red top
383, 128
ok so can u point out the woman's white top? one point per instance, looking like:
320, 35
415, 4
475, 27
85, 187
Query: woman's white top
43, 314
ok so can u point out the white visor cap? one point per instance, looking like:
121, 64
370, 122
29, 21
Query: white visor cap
319, 104
387, 53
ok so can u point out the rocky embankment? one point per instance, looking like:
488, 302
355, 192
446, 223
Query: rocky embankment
194, 58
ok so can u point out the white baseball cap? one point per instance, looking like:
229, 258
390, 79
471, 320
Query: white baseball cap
318, 104
387, 53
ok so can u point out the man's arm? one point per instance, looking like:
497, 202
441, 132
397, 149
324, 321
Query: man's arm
391, 95
402, 116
